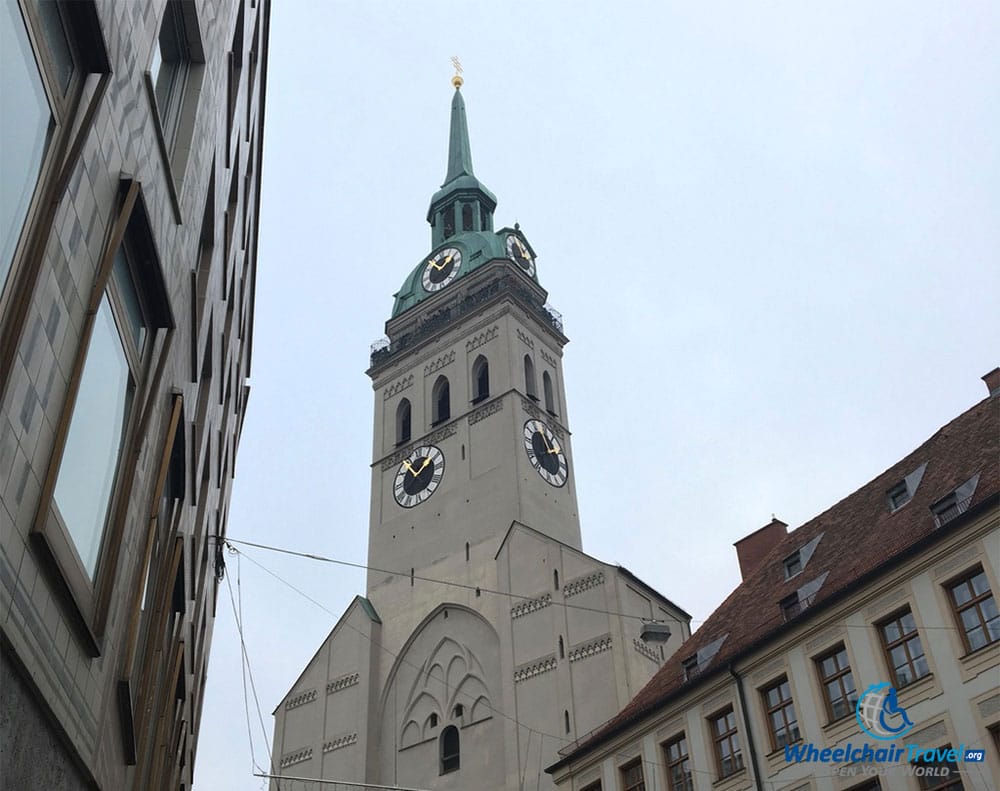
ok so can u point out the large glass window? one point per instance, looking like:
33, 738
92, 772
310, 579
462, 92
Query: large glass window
975, 609
838, 683
96, 433
903, 648
728, 754
782, 723
678, 764
168, 67
632, 777
27, 120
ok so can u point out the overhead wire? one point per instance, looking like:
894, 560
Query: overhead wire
403, 660
247, 670
507, 594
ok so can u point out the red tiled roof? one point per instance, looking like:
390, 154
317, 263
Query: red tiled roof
859, 535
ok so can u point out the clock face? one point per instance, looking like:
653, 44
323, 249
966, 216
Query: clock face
544, 452
441, 269
418, 476
520, 254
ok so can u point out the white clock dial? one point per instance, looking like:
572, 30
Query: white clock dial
441, 269
518, 252
418, 476
545, 453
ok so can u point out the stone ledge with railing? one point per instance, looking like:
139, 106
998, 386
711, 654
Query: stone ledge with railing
383, 350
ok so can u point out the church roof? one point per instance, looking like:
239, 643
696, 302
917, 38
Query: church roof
848, 545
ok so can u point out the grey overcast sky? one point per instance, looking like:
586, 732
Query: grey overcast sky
772, 230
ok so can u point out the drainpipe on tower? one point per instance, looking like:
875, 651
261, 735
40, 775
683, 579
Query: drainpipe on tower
746, 727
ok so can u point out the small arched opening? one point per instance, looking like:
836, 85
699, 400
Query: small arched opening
440, 401
449, 750
403, 422
480, 379
550, 402
530, 388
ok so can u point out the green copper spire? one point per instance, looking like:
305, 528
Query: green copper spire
461, 219
463, 203
459, 150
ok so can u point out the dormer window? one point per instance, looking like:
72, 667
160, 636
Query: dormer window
796, 602
701, 659
793, 564
955, 503
900, 494
790, 606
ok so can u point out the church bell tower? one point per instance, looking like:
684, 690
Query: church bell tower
487, 639
471, 432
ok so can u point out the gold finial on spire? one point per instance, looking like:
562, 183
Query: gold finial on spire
457, 79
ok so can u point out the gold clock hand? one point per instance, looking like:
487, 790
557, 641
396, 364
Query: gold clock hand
546, 441
407, 465
426, 462
442, 265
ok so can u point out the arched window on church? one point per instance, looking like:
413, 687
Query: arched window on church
450, 756
562, 648
529, 379
480, 379
467, 217
403, 422
566, 719
550, 403
555, 579
441, 401
449, 221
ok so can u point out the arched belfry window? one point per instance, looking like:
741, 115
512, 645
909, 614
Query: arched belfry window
550, 403
467, 217
480, 379
530, 388
441, 401
403, 414
450, 753
449, 221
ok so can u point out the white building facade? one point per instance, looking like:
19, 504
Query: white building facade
894, 586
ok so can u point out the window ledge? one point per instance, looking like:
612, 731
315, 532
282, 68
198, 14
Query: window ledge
980, 660
835, 730
776, 758
739, 779
922, 689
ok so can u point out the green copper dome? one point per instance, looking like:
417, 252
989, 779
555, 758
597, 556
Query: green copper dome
461, 218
